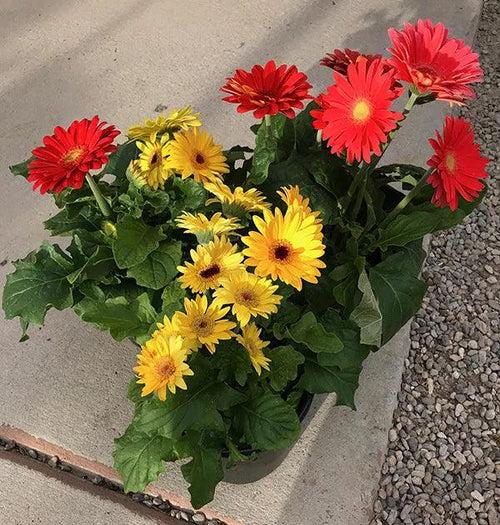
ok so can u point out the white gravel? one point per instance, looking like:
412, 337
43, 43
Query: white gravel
442, 466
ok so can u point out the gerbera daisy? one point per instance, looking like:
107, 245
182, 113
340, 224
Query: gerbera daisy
211, 262
204, 324
355, 114
291, 197
169, 327
267, 90
458, 164
254, 345
287, 247
69, 154
161, 364
194, 152
204, 228
250, 296
339, 59
426, 57
151, 167
177, 120
236, 202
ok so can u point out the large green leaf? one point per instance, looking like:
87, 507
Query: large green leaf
268, 422
339, 372
159, 267
38, 283
139, 458
65, 222
172, 298
123, 317
313, 334
283, 367
367, 313
135, 240
398, 290
97, 266
187, 195
21, 169
118, 162
181, 411
232, 362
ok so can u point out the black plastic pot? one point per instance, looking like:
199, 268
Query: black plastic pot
265, 462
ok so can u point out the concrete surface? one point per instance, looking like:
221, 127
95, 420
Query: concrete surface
64, 60
33, 493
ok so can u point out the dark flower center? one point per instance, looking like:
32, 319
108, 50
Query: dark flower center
281, 252
210, 271
200, 159
155, 158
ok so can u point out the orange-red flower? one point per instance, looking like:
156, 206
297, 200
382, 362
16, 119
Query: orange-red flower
268, 90
69, 154
426, 57
458, 164
339, 59
355, 114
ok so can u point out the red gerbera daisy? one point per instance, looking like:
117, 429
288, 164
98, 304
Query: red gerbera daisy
339, 59
355, 114
425, 57
267, 90
69, 154
458, 164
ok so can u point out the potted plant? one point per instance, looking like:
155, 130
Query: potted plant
251, 278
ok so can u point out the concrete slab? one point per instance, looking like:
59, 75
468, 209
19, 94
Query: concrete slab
63, 60
33, 493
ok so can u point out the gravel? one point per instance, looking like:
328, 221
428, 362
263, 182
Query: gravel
443, 459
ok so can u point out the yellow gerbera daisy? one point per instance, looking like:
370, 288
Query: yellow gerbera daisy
287, 247
254, 345
151, 167
211, 262
204, 324
161, 365
205, 229
170, 327
176, 120
236, 202
194, 152
250, 296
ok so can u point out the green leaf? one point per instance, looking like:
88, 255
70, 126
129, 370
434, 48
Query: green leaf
135, 240
367, 313
119, 161
304, 131
287, 314
159, 267
139, 458
203, 473
402, 170
398, 290
226, 396
187, 195
123, 317
97, 266
232, 362
313, 334
21, 169
181, 411
268, 422
283, 367
38, 283
63, 223
172, 298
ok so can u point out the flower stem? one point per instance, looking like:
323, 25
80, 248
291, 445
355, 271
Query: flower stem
267, 120
407, 199
101, 201
358, 177
359, 197
319, 134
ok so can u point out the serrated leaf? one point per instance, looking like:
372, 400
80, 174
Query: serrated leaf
232, 362
64, 222
159, 267
21, 169
97, 266
187, 195
135, 240
367, 313
268, 422
283, 367
38, 283
139, 458
309, 332
124, 318
119, 161
172, 298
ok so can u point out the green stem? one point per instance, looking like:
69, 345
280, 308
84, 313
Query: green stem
354, 186
359, 197
406, 200
267, 120
319, 134
101, 201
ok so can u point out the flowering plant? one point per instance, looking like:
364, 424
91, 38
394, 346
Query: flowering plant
252, 276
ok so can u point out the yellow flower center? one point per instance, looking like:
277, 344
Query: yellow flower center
210, 271
202, 326
72, 156
450, 161
247, 298
424, 76
165, 367
281, 251
361, 110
